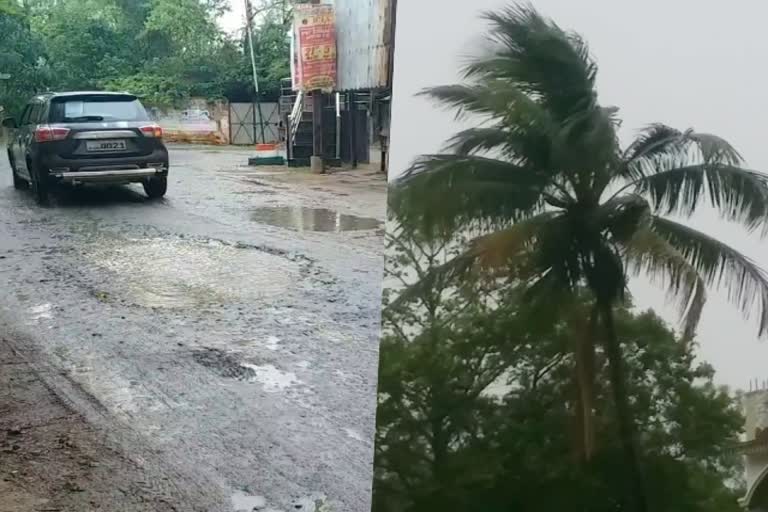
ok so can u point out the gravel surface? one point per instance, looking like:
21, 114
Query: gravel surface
223, 340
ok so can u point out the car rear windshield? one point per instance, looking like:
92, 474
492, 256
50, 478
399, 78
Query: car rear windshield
97, 108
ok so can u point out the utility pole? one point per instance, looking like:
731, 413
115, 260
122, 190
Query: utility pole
385, 138
316, 162
352, 109
249, 29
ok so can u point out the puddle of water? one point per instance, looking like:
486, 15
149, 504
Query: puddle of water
41, 312
165, 273
354, 435
272, 343
271, 378
242, 502
312, 219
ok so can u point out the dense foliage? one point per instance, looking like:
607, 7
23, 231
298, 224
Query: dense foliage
478, 404
164, 50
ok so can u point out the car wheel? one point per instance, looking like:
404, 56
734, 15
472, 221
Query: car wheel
18, 182
155, 188
39, 184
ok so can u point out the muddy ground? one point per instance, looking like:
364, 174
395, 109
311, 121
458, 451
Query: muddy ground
213, 351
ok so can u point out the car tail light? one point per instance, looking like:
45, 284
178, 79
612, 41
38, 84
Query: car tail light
152, 131
50, 133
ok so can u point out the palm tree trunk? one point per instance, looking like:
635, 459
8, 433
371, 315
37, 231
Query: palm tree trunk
627, 434
586, 330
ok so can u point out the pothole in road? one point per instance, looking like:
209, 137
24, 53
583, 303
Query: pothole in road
223, 363
312, 219
167, 273
228, 365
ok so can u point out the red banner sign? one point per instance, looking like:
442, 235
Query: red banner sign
315, 31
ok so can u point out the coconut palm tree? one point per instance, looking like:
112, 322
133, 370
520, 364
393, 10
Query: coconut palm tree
564, 206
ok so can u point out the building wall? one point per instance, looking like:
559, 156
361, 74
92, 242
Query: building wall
199, 121
363, 40
755, 404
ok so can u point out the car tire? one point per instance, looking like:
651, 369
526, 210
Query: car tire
19, 183
39, 184
155, 188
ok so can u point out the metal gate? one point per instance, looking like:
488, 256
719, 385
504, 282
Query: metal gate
244, 126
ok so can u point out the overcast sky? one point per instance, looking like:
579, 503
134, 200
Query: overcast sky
687, 63
233, 20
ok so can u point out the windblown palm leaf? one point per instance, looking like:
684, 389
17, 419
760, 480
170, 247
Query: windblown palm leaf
721, 265
649, 253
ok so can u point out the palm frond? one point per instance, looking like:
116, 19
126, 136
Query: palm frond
720, 265
506, 253
522, 129
522, 148
493, 98
499, 250
649, 254
654, 139
660, 147
478, 140
741, 195
554, 70
446, 191
539, 58
715, 149
538, 84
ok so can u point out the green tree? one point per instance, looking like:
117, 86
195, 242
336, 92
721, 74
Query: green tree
195, 37
9, 7
272, 48
139, 46
272, 52
21, 56
565, 206
85, 42
476, 410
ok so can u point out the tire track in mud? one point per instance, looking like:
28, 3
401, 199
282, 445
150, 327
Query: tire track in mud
162, 481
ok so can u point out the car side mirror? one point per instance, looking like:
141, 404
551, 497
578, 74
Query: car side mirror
9, 122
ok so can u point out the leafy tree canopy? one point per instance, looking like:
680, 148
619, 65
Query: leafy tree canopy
137, 45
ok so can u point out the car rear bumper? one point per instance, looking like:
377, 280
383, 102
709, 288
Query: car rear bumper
108, 176
54, 163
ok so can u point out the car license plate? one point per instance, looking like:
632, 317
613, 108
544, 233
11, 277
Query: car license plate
105, 145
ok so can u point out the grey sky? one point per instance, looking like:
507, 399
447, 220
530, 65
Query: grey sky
687, 63
234, 19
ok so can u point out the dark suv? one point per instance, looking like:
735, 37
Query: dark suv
86, 137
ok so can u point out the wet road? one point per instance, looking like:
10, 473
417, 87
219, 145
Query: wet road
225, 339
